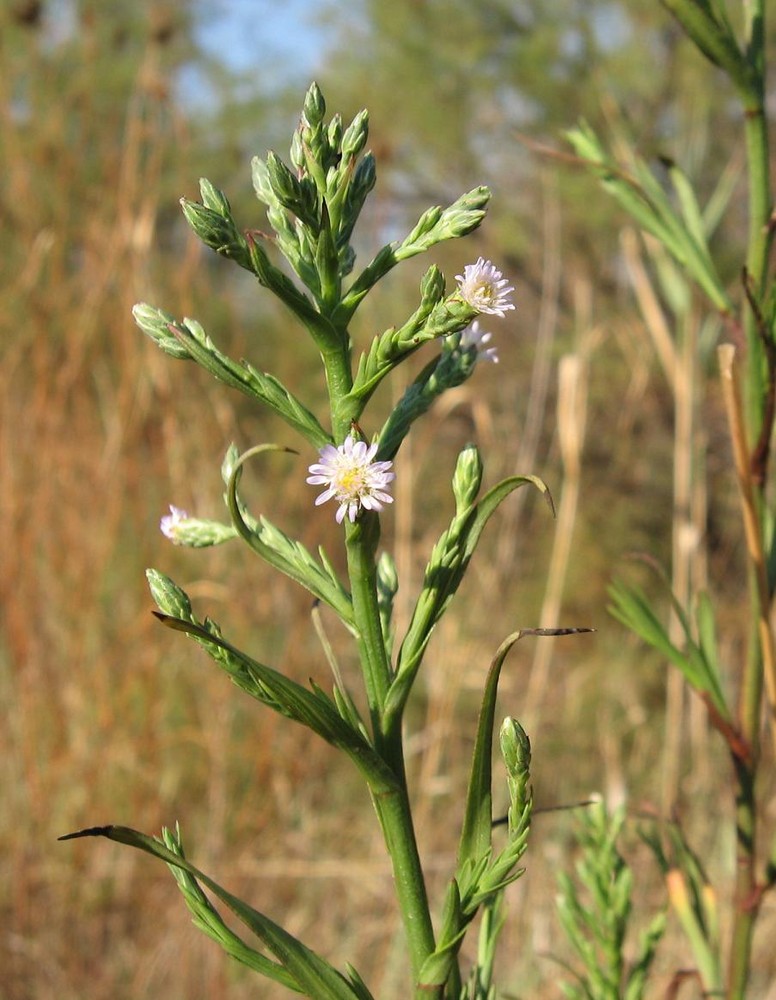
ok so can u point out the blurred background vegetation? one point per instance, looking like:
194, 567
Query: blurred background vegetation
108, 114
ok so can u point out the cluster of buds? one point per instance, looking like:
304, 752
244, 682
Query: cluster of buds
312, 206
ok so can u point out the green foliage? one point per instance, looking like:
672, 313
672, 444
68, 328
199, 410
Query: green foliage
595, 914
445, 570
101, 136
698, 661
282, 552
694, 901
309, 973
313, 218
633, 184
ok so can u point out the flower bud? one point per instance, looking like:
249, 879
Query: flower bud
214, 199
297, 150
169, 597
365, 175
216, 231
284, 184
314, 106
465, 214
356, 134
467, 478
361, 183
155, 323
432, 287
261, 182
424, 225
515, 748
387, 577
516, 752
334, 133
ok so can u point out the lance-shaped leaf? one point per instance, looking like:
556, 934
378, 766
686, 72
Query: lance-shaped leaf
443, 575
327, 264
709, 28
188, 340
360, 183
297, 196
312, 974
636, 981
637, 189
481, 874
449, 369
434, 226
207, 918
291, 236
313, 709
433, 318
698, 661
284, 553
477, 827
387, 585
479, 878
480, 985
437, 968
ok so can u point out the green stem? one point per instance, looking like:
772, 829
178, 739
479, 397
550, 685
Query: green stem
759, 243
758, 170
750, 705
760, 232
361, 540
394, 813
339, 380
393, 808
746, 891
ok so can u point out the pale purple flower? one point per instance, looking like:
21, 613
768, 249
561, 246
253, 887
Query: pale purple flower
351, 478
472, 336
171, 524
484, 289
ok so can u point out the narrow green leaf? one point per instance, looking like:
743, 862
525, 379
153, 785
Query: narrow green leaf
312, 973
475, 839
437, 968
310, 708
637, 976
715, 39
689, 207
444, 572
285, 553
207, 918
707, 637
631, 607
323, 332
434, 227
392, 346
637, 189
188, 340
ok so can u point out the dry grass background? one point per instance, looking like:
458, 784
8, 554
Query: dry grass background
107, 718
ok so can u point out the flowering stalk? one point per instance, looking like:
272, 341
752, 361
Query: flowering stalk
313, 209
